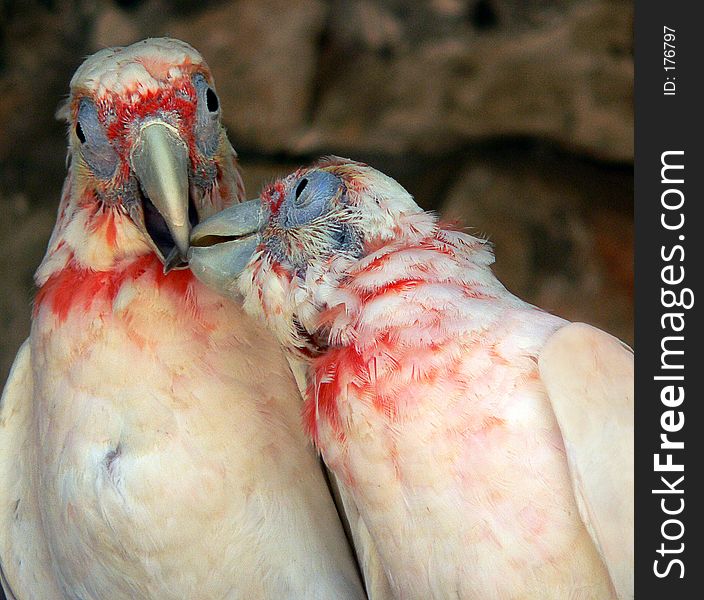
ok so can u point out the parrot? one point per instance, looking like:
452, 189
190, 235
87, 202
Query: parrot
150, 437
486, 444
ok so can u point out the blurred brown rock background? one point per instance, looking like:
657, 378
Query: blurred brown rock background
513, 117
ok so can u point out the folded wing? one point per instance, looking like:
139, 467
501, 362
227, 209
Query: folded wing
588, 375
25, 567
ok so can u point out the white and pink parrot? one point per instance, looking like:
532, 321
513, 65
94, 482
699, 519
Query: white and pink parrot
487, 445
150, 440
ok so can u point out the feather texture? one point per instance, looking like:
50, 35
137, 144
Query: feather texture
426, 399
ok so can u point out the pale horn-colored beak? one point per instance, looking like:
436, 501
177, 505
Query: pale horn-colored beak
222, 245
160, 161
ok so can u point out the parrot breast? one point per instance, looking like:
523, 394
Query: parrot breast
151, 408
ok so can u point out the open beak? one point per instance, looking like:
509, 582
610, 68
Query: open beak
160, 161
222, 245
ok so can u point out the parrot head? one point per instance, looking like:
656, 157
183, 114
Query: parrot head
286, 251
148, 158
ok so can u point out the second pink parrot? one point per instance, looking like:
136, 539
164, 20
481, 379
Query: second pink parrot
486, 443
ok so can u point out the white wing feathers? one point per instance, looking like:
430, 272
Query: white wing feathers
588, 375
24, 559
374, 575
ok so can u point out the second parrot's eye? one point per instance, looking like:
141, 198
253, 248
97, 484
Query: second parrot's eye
300, 187
309, 199
96, 149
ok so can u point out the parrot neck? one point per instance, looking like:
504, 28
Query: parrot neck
394, 316
94, 231
80, 290
415, 291
90, 233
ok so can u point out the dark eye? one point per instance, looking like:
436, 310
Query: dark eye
301, 186
79, 133
211, 100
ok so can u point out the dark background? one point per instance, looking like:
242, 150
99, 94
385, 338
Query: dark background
513, 117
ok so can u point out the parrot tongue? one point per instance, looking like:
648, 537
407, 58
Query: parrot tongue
174, 261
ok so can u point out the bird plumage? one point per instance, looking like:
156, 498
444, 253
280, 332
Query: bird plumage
428, 397
150, 444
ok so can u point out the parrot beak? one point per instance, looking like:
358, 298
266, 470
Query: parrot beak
160, 160
222, 245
